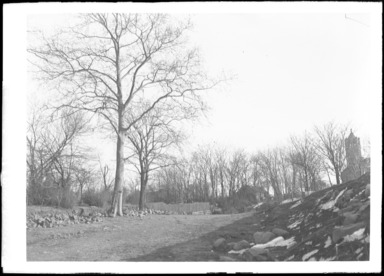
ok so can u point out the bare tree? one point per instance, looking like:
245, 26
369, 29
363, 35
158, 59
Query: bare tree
270, 167
256, 175
221, 161
105, 175
304, 150
151, 139
84, 177
234, 170
293, 160
330, 145
52, 151
284, 170
110, 62
200, 175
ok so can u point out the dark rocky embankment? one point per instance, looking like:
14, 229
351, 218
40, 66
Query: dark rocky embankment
329, 225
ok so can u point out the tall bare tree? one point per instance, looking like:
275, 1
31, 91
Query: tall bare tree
84, 177
270, 167
151, 140
293, 160
221, 161
105, 176
108, 63
330, 145
304, 152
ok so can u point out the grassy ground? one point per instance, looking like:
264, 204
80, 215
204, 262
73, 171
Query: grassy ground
155, 238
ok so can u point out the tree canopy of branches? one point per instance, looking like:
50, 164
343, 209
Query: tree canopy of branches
152, 138
330, 144
109, 63
306, 159
53, 155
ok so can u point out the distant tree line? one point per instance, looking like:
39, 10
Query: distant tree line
63, 173
306, 163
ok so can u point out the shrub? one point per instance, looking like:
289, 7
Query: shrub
132, 198
68, 200
97, 198
51, 196
239, 202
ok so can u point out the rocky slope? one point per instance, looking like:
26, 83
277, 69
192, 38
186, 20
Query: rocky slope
328, 225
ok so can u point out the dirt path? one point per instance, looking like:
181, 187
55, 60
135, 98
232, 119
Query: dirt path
153, 238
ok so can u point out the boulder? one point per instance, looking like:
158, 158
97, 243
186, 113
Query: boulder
350, 218
263, 237
231, 245
261, 258
363, 207
247, 256
347, 209
258, 251
348, 194
219, 244
340, 232
226, 259
84, 212
280, 232
367, 191
341, 201
241, 245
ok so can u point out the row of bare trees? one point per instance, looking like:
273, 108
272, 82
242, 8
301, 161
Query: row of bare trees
307, 163
55, 160
54, 156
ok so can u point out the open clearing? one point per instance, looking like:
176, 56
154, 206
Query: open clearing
152, 238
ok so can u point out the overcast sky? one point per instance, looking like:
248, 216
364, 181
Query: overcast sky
293, 71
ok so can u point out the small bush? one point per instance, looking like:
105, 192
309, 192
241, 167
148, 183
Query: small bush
132, 198
68, 200
240, 201
97, 198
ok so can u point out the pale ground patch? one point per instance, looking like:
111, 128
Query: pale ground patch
295, 224
257, 205
279, 241
357, 235
308, 255
290, 258
330, 204
295, 205
237, 252
328, 242
327, 259
289, 200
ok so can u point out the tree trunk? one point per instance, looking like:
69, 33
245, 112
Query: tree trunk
222, 184
117, 192
143, 185
306, 180
293, 183
81, 193
276, 190
337, 176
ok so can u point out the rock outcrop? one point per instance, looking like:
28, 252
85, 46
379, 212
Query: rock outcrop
328, 225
